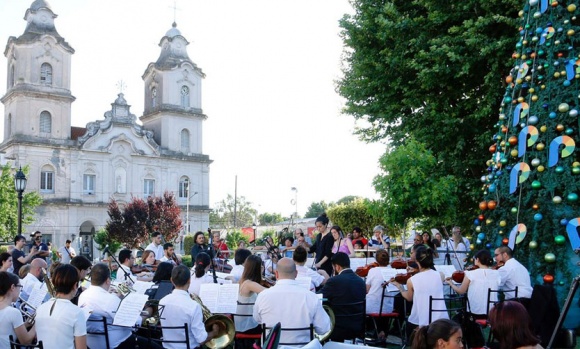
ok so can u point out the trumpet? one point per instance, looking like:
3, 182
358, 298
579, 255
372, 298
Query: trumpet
227, 328
27, 310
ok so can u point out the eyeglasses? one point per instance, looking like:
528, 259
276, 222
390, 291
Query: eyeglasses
18, 286
497, 254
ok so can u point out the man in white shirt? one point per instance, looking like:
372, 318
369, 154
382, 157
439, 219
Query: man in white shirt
512, 274
155, 245
274, 305
179, 309
102, 303
458, 248
317, 278
66, 253
168, 254
34, 276
124, 273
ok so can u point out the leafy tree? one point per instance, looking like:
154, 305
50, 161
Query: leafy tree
223, 213
270, 218
430, 70
232, 238
138, 219
347, 199
352, 214
103, 239
410, 191
9, 204
316, 209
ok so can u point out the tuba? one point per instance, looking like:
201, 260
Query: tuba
325, 336
227, 329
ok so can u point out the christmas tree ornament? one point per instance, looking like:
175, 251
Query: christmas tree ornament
549, 279
533, 244
550, 257
559, 239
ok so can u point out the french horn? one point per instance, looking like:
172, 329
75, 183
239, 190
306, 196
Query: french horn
227, 330
325, 336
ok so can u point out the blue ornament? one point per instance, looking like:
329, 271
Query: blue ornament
538, 217
566, 83
488, 246
476, 222
492, 188
480, 236
552, 115
499, 173
563, 222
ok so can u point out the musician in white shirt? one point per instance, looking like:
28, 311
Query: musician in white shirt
156, 245
304, 306
317, 278
513, 274
180, 309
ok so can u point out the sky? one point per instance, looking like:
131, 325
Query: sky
274, 117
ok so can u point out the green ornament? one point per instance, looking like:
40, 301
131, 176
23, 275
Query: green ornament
561, 283
533, 244
550, 257
559, 169
563, 107
575, 170
573, 197
559, 239
557, 199
514, 210
536, 185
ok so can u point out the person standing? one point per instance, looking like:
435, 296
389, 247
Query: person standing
37, 243
199, 246
323, 245
18, 256
458, 248
156, 245
66, 252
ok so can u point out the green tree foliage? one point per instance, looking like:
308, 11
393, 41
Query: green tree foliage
347, 199
222, 215
233, 237
432, 70
532, 181
9, 204
133, 224
269, 218
316, 209
352, 214
103, 239
410, 191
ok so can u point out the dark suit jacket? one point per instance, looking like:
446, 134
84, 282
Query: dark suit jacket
347, 287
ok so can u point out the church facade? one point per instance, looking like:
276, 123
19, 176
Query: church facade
78, 170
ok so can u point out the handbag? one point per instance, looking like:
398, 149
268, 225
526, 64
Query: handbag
472, 332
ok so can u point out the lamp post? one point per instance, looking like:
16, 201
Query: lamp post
187, 205
255, 227
19, 186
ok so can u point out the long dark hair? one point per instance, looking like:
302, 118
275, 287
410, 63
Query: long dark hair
6, 281
163, 272
201, 262
252, 269
512, 325
426, 337
196, 235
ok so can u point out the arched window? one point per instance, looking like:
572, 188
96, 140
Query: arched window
153, 97
183, 187
185, 96
47, 179
46, 74
45, 122
185, 141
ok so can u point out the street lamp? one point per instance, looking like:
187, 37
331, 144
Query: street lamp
19, 186
255, 227
187, 204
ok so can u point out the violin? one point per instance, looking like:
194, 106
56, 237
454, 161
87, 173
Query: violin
459, 275
399, 263
150, 268
364, 271
403, 278
267, 282
498, 265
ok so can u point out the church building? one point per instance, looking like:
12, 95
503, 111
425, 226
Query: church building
78, 170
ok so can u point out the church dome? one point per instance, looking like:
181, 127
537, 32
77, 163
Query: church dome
38, 4
173, 32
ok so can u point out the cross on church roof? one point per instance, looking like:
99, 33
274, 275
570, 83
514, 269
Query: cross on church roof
121, 86
175, 8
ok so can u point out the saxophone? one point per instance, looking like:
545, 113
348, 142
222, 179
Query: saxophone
227, 329
48, 282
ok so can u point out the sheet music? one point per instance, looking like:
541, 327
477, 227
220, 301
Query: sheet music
305, 281
389, 273
142, 286
359, 262
445, 269
224, 281
129, 311
37, 296
222, 299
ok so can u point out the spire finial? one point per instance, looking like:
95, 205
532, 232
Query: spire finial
174, 12
121, 86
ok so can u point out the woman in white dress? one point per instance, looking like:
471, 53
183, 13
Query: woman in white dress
477, 283
60, 323
427, 282
10, 317
199, 273
250, 286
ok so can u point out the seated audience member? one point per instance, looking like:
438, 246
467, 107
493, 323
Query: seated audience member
440, 334
426, 236
238, 269
301, 240
241, 244
341, 243
513, 274
358, 245
379, 240
317, 278
511, 326
477, 283
102, 303
250, 286
59, 323
12, 323
184, 310
345, 287
288, 249
6, 260
427, 282
200, 276
357, 235
304, 306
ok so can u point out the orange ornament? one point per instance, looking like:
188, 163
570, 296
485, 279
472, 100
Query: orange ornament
513, 140
483, 205
548, 278
504, 129
509, 79
481, 218
505, 241
491, 205
492, 148
535, 206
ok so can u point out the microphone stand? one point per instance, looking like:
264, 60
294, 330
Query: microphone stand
447, 255
211, 254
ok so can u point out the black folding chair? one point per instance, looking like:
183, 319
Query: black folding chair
393, 315
15, 345
492, 301
97, 327
288, 329
453, 305
348, 313
241, 337
163, 331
